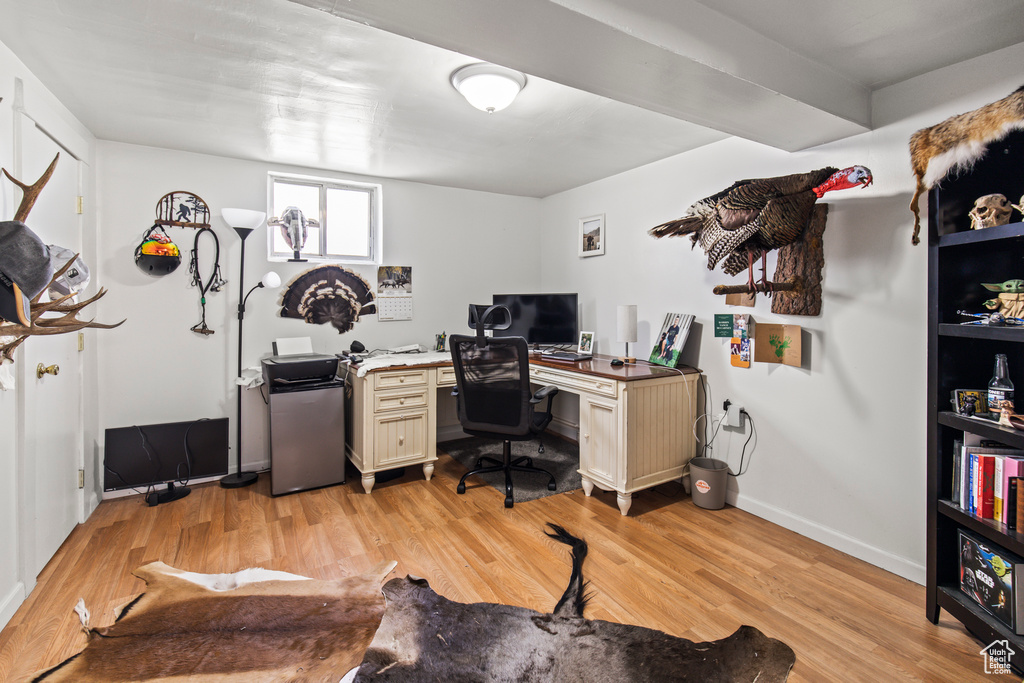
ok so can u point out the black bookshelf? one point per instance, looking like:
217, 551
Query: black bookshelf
961, 357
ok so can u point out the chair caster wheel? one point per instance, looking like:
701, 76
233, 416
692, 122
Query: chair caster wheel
540, 449
552, 486
461, 488
508, 502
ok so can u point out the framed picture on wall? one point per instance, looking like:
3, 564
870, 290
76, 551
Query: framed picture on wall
671, 339
592, 236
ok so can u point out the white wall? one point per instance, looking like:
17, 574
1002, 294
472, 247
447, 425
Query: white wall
839, 451
462, 246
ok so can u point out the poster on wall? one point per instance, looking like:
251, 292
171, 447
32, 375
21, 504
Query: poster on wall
394, 293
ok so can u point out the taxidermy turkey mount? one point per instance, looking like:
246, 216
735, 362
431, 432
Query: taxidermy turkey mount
752, 217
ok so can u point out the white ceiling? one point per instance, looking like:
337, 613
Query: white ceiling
361, 86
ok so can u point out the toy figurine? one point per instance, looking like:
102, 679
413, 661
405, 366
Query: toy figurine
970, 406
1009, 301
994, 319
1005, 412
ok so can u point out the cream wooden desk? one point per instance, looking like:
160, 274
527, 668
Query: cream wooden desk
635, 431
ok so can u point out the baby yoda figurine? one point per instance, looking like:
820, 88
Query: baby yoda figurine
1010, 301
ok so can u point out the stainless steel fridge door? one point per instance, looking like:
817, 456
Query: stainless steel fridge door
307, 439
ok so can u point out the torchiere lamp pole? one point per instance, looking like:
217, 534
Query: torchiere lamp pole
244, 221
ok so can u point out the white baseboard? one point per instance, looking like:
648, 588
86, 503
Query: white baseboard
123, 493
11, 602
900, 566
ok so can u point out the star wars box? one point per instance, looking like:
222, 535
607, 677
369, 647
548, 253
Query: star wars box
988, 577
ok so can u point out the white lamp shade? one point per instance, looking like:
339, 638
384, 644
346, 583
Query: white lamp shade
271, 280
243, 218
626, 323
488, 87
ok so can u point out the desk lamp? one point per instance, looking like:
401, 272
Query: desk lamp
626, 328
244, 221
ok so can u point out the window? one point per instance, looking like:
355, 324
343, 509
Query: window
343, 218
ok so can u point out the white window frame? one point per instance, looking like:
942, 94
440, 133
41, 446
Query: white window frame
376, 236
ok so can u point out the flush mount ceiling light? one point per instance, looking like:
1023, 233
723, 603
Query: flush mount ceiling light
488, 87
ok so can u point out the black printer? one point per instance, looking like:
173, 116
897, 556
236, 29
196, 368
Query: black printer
300, 371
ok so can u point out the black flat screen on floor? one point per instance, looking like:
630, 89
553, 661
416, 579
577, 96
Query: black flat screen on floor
144, 455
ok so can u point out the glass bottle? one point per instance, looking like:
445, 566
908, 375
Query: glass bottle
1000, 388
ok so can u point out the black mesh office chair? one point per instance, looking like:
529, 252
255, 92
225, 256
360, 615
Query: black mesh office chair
493, 397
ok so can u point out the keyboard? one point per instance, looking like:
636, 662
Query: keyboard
569, 356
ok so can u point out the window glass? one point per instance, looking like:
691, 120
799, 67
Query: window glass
342, 218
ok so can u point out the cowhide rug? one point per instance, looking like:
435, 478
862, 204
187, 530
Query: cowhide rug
255, 625
425, 637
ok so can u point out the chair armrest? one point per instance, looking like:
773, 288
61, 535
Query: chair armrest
455, 392
544, 393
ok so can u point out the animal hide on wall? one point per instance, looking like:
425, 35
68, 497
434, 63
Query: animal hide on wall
958, 142
224, 628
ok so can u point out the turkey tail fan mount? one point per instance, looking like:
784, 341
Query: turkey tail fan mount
752, 217
328, 294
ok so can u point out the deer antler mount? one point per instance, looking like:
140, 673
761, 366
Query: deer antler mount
52, 317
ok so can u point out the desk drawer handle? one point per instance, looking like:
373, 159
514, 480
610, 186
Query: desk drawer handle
401, 380
587, 437
401, 401
401, 440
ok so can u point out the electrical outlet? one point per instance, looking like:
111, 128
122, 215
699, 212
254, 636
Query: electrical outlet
734, 416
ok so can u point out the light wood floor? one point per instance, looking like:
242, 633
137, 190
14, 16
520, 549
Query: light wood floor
669, 565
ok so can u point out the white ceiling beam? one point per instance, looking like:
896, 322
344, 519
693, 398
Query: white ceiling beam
675, 57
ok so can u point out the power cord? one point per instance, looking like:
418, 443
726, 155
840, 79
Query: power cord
743, 451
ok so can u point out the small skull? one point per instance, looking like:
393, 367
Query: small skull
990, 211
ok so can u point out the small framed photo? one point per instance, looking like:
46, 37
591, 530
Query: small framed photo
670, 342
586, 344
592, 236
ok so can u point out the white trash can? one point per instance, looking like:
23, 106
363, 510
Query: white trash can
709, 480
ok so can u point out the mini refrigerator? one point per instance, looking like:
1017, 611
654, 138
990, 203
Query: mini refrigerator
307, 434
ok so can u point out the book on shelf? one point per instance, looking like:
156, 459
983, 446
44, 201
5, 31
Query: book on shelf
1013, 502
1019, 524
986, 490
1013, 466
958, 446
981, 474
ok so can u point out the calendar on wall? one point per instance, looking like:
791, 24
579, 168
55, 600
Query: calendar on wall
394, 293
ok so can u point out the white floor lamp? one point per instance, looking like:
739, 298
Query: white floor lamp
244, 221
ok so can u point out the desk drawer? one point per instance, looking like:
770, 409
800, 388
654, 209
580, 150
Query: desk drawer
399, 400
446, 376
394, 379
573, 380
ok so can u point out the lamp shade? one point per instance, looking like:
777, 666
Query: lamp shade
243, 218
271, 280
625, 328
488, 87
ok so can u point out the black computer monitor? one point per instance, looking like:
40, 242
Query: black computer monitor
143, 457
543, 319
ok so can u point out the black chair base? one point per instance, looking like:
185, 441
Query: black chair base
508, 465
